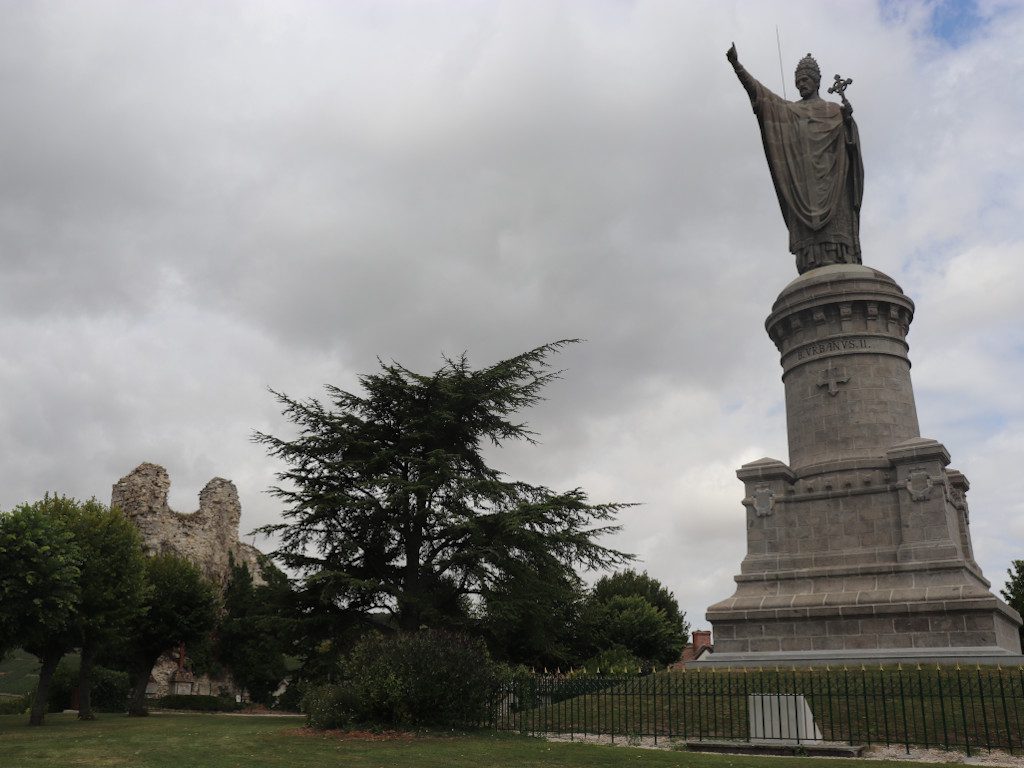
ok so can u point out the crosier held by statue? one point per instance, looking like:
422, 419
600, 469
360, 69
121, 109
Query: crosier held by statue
813, 153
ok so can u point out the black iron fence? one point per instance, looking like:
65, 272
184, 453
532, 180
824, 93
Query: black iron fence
949, 708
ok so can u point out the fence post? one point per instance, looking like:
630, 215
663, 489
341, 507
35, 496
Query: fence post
700, 707
1006, 713
652, 687
903, 709
963, 709
611, 693
668, 707
942, 707
864, 691
828, 698
846, 695
639, 728
924, 715
984, 713
713, 719
885, 706
796, 716
687, 686
746, 703
778, 693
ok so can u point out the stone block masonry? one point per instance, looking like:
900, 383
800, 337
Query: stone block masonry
207, 537
860, 546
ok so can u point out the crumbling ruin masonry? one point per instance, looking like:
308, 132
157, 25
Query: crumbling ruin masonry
208, 538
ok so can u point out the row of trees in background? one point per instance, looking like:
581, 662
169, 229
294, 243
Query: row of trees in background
395, 522
73, 577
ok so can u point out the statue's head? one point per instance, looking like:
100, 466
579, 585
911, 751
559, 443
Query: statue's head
808, 76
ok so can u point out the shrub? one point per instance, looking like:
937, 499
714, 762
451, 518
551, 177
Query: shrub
330, 706
197, 703
616, 660
14, 705
110, 687
291, 697
428, 677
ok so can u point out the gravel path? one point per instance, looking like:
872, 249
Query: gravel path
996, 758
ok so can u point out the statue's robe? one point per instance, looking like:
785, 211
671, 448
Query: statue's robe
815, 161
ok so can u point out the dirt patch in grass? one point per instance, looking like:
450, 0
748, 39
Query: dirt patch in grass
979, 757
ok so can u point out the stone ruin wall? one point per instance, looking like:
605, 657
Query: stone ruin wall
208, 538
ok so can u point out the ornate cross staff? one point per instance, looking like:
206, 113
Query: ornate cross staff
840, 86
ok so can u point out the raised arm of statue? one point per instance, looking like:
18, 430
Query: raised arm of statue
746, 79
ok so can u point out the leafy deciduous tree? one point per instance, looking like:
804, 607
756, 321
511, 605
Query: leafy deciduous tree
250, 638
630, 582
40, 591
633, 623
392, 506
535, 622
180, 607
112, 586
636, 612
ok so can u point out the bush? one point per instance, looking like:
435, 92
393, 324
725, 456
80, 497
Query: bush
14, 705
330, 706
197, 703
110, 688
291, 697
614, 661
428, 677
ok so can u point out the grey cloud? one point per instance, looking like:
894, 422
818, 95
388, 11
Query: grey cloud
201, 201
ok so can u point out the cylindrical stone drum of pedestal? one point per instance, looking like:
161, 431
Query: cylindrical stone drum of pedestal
841, 332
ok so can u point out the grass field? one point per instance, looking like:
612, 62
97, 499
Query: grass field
947, 708
19, 673
225, 741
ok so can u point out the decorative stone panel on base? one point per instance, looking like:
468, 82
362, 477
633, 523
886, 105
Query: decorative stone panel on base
861, 545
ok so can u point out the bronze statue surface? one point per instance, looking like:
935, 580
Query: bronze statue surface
813, 152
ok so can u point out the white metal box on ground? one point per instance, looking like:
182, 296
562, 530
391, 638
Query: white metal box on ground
781, 717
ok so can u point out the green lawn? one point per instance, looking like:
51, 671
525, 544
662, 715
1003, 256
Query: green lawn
948, 707
19, 673
224, 741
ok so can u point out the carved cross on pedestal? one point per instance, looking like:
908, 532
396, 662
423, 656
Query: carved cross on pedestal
840, 86
832, 378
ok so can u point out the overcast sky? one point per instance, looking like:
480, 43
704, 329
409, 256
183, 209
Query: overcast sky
202, 200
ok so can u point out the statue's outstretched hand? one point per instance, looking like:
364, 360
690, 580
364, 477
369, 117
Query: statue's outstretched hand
732, 56
846, 109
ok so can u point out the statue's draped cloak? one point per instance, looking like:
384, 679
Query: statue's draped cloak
815, 162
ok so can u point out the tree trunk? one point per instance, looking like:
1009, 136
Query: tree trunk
137, 702
50, 661
85, 682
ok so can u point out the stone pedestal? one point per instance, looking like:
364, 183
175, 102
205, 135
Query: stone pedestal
860, 547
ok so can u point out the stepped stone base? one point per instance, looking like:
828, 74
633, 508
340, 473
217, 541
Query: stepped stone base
883, 656
861, 547
928, 631
853, 561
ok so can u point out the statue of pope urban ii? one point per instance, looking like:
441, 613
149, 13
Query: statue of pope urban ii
813, 153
